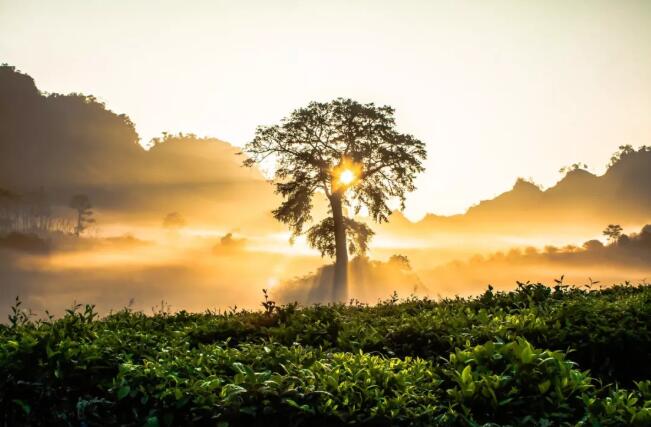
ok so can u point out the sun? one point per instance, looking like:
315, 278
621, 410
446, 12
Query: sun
347, 177
346, 174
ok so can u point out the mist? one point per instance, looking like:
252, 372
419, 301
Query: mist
182, 224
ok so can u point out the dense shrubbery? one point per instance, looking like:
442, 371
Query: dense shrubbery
535, 356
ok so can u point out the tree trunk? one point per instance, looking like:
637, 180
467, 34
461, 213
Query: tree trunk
340, 283
78, 227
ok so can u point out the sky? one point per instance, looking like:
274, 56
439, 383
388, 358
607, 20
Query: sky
497, 90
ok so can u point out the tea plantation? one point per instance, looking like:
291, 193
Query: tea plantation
537, 356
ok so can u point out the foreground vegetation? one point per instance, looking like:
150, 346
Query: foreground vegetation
534, 356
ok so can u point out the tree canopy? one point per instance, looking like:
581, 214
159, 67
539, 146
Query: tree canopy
613, 231
350, 152
81, 204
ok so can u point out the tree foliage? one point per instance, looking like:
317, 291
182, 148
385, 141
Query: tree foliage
613, 231
625, 151
322, 236
81, 203
500, 358
309, 145
573, 167
174, 220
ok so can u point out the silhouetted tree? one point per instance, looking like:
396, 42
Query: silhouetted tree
7, 203
573, 167
399, 261
229, 245
623, 240
550, 249
174, 220
81, 204
646, 232
350, 152
593, 245
39, 211
613, 231
624, 150
530, 251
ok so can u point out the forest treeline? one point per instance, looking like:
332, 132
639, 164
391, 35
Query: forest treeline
632, 249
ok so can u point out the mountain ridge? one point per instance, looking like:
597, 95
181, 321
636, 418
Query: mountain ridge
621, 194
73, 143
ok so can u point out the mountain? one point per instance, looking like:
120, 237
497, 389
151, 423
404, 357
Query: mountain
580, 201
203, 178
68, 144
60, 141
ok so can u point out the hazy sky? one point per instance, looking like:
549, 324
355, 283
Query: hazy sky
497, 89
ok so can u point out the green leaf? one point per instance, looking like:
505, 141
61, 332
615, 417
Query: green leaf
544, 386
526, 355
239, 367
123, 392
25, 406
466, 375
249, 410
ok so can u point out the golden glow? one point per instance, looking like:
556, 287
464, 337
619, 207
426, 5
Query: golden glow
473, 99
347, 177
346, 174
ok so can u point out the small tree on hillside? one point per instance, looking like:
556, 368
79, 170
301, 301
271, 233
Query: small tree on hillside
399, 261
613, 231
7, 210
81, 204
573, 167
624, 150
351, 153
174, 221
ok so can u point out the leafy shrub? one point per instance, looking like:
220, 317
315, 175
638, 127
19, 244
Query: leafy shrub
621, 406
515, 383
534, 356
289, 384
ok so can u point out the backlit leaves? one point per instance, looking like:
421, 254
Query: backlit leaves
313, 141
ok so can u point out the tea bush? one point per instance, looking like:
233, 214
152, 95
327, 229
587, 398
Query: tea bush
533, 356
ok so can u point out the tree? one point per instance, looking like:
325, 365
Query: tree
174, 221
573, 167
624, 150
613, 231
593, 245
399, 261
81, 204
351, 153
7, 210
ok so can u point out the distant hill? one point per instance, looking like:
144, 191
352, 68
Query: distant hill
60, 141
68, 144
580, 200
203, 178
